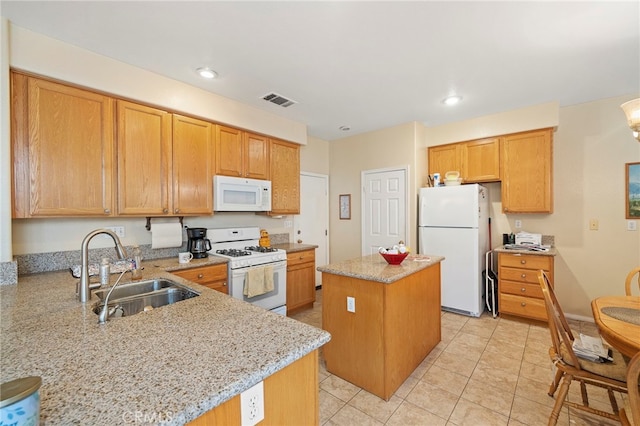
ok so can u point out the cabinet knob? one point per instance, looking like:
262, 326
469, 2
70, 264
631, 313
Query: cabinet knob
176, 211
299, 241
523, 304
107, 211
224, 284
200, 275
523, 289
523, 261
165, 211
523, 276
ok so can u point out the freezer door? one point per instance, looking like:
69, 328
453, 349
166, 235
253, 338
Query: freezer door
450, 206
461, 270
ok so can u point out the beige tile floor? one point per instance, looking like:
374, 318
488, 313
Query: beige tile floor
485, 371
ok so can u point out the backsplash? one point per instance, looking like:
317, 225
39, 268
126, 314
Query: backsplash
61, 260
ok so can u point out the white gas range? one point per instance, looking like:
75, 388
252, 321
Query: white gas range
251, 267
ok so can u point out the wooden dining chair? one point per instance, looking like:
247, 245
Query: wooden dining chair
627, 282
570, 368
630, 414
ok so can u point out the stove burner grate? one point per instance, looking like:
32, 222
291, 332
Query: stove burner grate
261, 249
233, 252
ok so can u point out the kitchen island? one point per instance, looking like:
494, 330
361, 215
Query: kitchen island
175, 364
383, 319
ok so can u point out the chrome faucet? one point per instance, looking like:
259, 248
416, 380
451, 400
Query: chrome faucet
84, 290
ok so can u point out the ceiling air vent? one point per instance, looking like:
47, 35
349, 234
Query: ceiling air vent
274, 98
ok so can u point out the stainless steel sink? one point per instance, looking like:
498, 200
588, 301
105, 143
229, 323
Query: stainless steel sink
132, 298
137, 288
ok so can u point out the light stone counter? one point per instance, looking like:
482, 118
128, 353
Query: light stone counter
375, 268
552, 251
169, 365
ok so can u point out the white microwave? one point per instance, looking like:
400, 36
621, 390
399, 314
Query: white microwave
235, 194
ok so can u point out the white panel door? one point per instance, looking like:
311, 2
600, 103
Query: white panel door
311, 226
384, 209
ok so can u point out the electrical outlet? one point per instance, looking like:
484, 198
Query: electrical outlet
252, 405
118, 230
593, 225
631, 225
351, 304
288, 224
518, 224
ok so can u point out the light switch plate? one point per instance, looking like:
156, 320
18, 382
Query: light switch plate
631, 225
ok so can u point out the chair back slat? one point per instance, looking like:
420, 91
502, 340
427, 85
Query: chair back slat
558, 325
627, 282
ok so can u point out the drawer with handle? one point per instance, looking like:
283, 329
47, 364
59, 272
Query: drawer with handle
521, 289
522, 306
213, 276
295, 258
526, 261
520, 275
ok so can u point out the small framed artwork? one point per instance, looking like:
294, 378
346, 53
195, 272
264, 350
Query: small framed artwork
632, 192
345, 206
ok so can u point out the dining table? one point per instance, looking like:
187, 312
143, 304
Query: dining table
618, 320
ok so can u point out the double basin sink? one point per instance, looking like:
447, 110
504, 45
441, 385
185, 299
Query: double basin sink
135, 297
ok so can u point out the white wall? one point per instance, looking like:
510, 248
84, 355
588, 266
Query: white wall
5, 146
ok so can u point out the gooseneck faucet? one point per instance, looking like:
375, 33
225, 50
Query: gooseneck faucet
84, 290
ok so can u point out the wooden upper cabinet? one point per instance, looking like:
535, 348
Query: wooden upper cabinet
144, 160
62, 147
445, 158
228, 151
256, 156
285, 177
192, 166
481, 160
241, 154
477, 161
527, 181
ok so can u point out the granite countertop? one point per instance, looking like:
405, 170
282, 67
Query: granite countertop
294, 247
375, 268
171, 364
552, 251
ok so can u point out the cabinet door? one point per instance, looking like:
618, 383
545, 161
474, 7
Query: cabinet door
228, 151
62, 148
301, 277
481, 160
444, 158
285, 177
144, 160
256, 156
192, 166
527, 183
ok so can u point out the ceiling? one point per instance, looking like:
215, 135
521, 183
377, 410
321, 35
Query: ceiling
365, 65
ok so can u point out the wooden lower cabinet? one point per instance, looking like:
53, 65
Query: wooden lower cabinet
392, 329
301, 281
519, 289
212, 276
290, 398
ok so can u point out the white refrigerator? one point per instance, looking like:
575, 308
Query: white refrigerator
454, 222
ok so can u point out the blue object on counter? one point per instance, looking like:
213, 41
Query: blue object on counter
20, 402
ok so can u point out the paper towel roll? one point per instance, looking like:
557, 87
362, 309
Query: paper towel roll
165, 235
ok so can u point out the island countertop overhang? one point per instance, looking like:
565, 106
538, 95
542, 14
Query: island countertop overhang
375, 268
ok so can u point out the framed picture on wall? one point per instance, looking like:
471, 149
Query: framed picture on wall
632, 191
345, 206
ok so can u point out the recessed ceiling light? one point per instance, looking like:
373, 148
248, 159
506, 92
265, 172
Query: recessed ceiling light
344, 128
206, 72
452, 100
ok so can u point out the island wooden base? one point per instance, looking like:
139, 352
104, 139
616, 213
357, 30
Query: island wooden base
393, 329
290, 398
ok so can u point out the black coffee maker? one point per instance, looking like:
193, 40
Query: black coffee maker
198, 244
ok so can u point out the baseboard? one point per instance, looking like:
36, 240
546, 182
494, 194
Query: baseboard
579, 318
